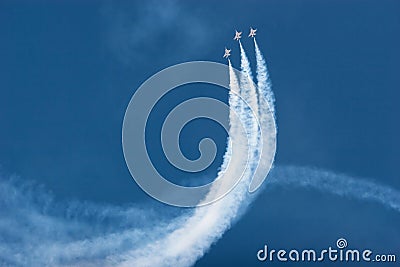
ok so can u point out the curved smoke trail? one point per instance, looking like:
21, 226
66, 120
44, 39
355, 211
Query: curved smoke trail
249, 94
191, 239
264, 82
207, 224
36, 232
337, 184
265, 102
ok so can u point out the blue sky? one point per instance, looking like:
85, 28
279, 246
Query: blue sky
69, 69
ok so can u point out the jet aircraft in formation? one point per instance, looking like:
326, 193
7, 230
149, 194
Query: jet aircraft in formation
237, 37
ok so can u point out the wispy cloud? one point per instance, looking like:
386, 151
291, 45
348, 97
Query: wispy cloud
145, 31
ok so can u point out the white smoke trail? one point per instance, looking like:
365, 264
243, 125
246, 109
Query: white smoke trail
34, 231
249, 95
207, 224
337, 184
264, 82
234, 101
267, 137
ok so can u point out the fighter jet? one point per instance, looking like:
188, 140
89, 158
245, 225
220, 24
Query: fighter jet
252, 32
238, 35
227, 53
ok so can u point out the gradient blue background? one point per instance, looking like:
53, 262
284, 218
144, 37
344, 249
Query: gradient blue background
69, 69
